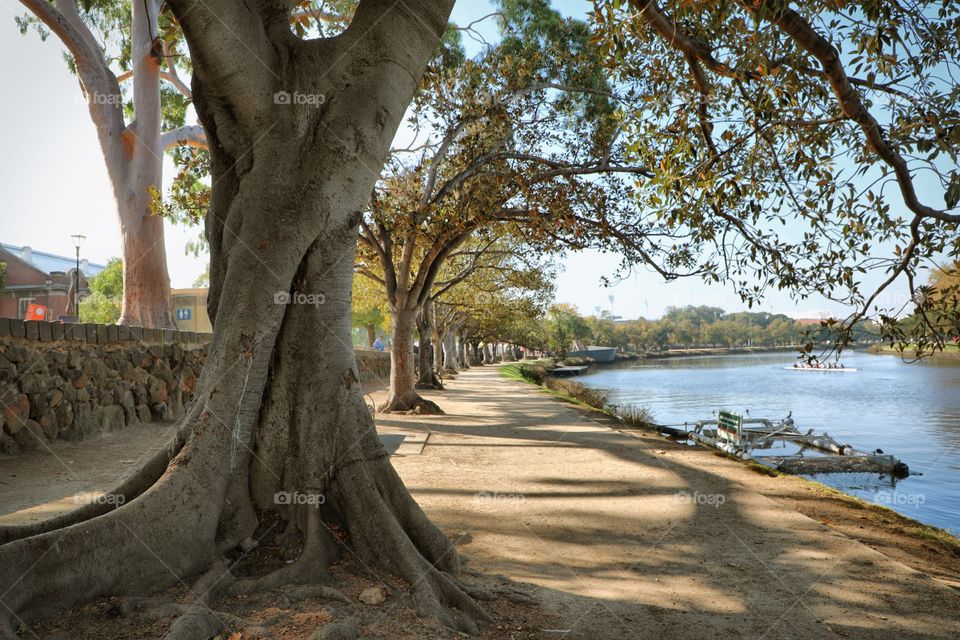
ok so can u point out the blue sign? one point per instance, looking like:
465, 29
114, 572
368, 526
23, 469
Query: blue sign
184, 314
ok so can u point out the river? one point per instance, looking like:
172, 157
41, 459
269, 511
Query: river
909, 410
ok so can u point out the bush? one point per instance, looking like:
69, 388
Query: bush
596, 398
535, 373
635, 415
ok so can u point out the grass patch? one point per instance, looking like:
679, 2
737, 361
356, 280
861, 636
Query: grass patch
596, 398
538, 372
927, 532
762, 469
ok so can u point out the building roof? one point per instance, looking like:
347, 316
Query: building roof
49, 262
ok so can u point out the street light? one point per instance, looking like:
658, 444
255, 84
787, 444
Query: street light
77, 239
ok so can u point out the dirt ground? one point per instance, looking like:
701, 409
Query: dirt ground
613, 534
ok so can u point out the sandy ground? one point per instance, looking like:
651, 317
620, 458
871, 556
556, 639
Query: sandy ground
625, 535
631, 536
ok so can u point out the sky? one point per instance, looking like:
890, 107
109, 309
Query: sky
53, 183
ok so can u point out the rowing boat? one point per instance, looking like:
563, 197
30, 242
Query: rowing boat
824, 370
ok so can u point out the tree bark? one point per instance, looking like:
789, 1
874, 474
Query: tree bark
427, 378
279, 409
476, 358
371, 334
462, 360
402, 395
449, 351
146, 284
147, 300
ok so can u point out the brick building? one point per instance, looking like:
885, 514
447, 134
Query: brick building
42, 278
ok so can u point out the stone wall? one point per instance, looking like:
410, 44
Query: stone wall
374, 367
61, 381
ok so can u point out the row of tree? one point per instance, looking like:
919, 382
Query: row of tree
679, 328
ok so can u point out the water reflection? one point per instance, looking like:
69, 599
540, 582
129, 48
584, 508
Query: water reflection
909, 410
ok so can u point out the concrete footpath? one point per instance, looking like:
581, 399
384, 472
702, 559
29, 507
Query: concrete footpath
631, 536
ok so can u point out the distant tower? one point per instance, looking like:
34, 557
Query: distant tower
611, 298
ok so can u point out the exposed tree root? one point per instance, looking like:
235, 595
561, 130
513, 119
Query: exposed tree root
430, 381
310, 568
417, 405
391, 531
504, 590
198, 623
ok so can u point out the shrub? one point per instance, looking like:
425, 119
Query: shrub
635, 415
535, 373
588, 395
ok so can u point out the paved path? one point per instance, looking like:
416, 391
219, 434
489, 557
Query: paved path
634, 537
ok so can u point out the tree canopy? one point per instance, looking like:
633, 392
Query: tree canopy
798, 146
106, 295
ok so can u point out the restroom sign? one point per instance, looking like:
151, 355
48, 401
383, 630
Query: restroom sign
184, 314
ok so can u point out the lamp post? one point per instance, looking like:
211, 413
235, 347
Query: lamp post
77, 239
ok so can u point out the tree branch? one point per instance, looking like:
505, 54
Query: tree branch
660, 22
99, 85
851, 104
188, 135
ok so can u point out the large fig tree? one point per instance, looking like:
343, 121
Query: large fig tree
279, 406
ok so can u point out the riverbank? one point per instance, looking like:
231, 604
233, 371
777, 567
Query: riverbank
712, 351
638, 417
950, 353
626, 533
621, 533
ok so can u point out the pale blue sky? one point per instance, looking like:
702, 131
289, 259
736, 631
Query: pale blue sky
53, 183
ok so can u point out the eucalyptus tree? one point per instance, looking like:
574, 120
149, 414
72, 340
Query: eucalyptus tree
128, 61
278, 406
801, 145
133, 69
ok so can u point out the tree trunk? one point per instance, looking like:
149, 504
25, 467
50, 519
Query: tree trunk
372, 335
278, 410
147, 299
476, 358
449, 352
146, 284
427, 378
402, 395
462, 360
437, 342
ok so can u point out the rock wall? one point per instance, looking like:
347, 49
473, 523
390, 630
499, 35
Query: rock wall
69, 382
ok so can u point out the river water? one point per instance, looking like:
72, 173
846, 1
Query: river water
909, 410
